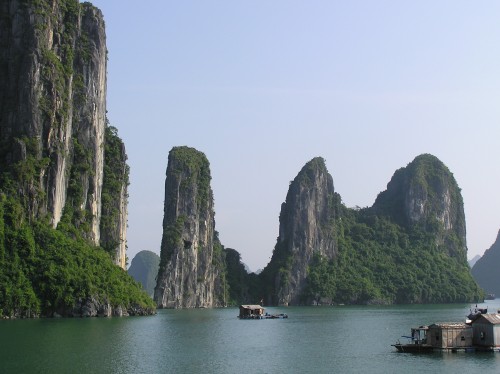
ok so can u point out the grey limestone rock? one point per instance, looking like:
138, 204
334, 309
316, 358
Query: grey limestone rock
187, 277
426, 194
53, 60
306, 228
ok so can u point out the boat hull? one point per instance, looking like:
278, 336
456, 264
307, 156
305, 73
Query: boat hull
414, 348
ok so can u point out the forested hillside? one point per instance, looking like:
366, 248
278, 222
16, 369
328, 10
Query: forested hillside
409, 247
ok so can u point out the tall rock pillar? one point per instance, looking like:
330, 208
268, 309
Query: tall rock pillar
186, 278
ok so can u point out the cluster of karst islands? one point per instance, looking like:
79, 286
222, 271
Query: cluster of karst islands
63, 204
409, 247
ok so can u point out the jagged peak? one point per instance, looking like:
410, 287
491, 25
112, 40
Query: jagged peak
427, 166
310, 171
421, 171
425, 193
315, 164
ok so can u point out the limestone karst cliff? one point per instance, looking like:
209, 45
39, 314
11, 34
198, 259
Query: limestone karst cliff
485, 270
426, 194
409, 247
188, 270
114, 198
63, 186
306, 229
53, 60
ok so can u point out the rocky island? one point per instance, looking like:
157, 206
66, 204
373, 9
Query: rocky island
191, 260
63, 187
409, 247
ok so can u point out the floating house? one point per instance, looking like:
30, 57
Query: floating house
486, 330
251, 312
449, 335
482, 333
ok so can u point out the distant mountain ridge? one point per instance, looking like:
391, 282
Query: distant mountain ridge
144, 269
485, 270
473, 261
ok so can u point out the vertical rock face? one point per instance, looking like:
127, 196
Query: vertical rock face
89, 113
114, 198
53, 104
306, 228
485, 270
186, 278
426, 194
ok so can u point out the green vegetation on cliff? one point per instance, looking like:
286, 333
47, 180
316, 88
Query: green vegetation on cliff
242, 288
192, 272
426, 194
379, 261
46, 271
51, 153
194, 164
408, 248
115, 183
191, 169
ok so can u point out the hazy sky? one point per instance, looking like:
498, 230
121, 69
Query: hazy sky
261, 87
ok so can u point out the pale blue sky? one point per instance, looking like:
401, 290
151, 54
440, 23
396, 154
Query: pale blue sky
261, 87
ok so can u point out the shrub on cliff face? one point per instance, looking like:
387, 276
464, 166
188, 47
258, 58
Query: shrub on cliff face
380, 261
44, 270
408, 248
115, 181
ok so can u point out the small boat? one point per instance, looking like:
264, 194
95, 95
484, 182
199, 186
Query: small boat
490, 296
251, 312
473, 315
413, 348
417, 342
257, 312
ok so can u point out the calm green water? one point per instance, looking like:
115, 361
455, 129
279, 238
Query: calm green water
340, 339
